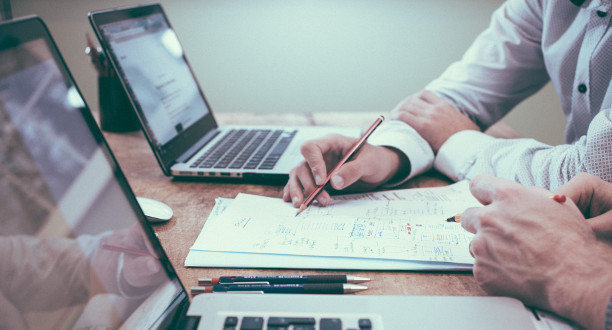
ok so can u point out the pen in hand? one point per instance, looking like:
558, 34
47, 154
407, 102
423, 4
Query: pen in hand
344, 159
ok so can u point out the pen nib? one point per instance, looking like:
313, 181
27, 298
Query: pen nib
356, 279
352, 288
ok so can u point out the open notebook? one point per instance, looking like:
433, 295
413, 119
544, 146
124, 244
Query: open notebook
76, 249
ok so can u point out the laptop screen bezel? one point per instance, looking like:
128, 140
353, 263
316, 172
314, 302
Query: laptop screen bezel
30, 28
168, 153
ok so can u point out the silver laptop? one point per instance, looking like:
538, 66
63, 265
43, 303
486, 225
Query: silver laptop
76, 251
174, 114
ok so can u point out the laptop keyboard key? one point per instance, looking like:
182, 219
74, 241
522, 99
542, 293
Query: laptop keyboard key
286, 321
330, 324
365, 324
230, 323
252, 323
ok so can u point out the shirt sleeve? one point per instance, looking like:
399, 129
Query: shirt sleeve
502, 67
400, 136
527, 161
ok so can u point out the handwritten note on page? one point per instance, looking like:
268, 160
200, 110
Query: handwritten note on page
353, 226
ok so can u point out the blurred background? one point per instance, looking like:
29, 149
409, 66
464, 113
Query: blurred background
307, 55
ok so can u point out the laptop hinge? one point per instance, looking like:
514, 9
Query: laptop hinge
197, 146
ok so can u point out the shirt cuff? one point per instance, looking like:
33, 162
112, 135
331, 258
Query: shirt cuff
400, 136
458, 154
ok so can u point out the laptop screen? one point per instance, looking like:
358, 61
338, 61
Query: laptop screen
150, 62
74, 252
159, 78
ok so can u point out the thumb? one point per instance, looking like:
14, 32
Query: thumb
602, 226
318, 152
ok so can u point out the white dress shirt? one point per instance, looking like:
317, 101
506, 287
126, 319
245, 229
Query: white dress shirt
528, 43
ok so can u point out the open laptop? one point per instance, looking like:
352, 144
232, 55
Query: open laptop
174, 114
76, 251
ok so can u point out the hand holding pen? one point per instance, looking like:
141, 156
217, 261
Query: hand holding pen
372, 166
351, 153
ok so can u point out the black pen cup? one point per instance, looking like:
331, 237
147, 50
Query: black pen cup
116, 113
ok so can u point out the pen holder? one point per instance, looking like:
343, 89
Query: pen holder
116, 113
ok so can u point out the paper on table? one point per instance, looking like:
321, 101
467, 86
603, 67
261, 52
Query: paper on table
456, 192
200, 258
214, 259
357, 229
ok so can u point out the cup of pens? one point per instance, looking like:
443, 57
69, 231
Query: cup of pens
116, 113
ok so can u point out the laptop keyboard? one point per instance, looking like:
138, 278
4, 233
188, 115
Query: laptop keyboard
295, 323
248, 149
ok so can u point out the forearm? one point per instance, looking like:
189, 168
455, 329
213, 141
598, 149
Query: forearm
529, 162
501, 68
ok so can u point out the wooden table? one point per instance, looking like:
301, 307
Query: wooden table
192, 201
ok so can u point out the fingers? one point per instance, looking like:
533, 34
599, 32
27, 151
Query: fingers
429, 97
372, 166
602, 226
409, 109
321, 155
592, 195
316, 152
580, 190
484, 187
142, 271
470, 219
304, 178
301, 184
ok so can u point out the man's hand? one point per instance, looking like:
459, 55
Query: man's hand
538, 250
433, 118
593, 197
138, 274
371, 167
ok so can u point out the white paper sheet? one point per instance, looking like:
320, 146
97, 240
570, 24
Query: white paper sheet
400, 229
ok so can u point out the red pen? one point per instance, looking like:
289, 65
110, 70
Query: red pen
346, 157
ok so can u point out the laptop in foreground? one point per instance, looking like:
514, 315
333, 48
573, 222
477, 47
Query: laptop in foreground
174, 113
76, 251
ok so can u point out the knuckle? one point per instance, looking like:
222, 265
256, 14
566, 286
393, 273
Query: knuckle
307, 148
477, 246
487, 218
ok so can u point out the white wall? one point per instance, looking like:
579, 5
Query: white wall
308, 55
